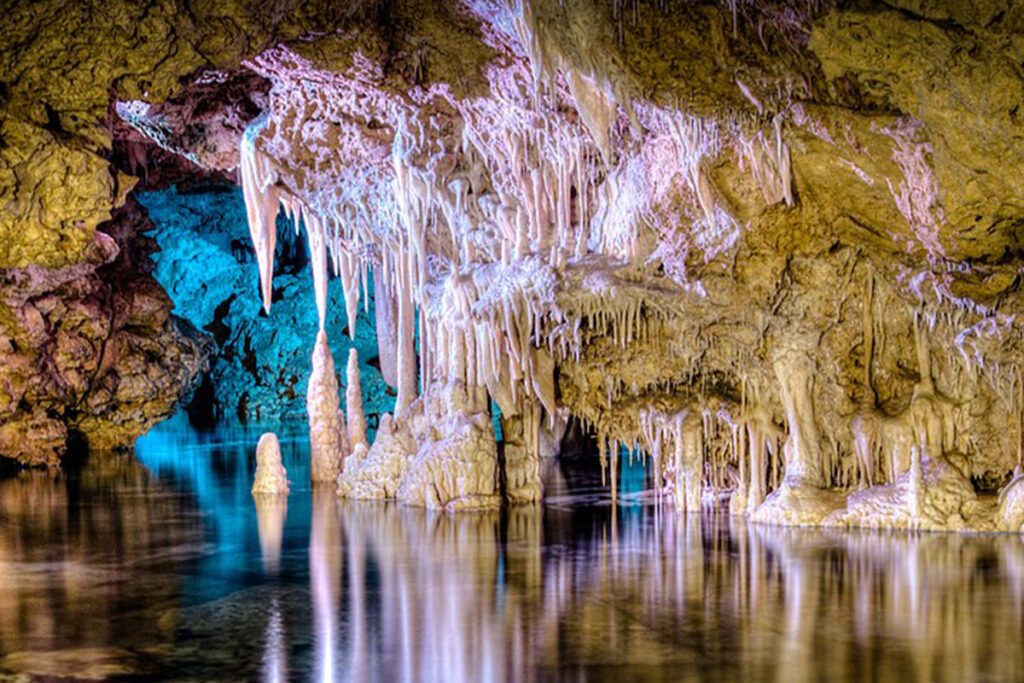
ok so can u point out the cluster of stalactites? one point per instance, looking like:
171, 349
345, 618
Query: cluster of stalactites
264, 197
521, 181
705, 453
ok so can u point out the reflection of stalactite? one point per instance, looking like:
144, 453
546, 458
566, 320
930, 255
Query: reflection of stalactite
275, 652
497, 615
325, 544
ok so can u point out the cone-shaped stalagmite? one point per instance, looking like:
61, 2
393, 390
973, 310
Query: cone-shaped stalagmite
326, 449
270, 473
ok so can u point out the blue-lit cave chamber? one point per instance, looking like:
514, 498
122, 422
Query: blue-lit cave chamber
531, 340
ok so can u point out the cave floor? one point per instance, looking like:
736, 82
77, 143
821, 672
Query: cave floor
162, 566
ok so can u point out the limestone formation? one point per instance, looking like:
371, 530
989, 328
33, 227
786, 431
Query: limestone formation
271, 477
772, 245
92, 350
328, 445
355, 417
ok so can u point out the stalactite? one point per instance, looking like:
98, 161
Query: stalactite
354, 415
386, 326
258, 177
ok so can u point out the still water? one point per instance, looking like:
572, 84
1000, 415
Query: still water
162, 566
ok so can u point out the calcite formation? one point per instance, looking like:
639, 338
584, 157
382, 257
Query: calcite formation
328, 444
773, 245
271, 477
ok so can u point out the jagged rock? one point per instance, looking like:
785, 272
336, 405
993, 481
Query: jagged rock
92, 349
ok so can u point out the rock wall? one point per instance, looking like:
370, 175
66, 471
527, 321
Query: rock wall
92, 350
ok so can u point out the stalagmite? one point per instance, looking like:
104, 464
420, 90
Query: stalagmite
326, 448
270, 475
355, 417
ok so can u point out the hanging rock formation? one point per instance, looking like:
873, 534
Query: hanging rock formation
772, 245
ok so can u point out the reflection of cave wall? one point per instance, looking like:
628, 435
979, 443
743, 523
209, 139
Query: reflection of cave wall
262, 365
67, 541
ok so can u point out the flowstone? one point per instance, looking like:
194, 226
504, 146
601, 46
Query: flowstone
441, 455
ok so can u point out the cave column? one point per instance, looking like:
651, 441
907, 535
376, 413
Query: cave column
408, 389
794, 368
385, 309
756, 490
689, 456
521, 436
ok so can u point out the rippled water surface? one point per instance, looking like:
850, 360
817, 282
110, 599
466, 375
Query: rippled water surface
163, 566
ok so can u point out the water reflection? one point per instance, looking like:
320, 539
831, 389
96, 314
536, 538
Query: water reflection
173, 571
80, 552
558, 595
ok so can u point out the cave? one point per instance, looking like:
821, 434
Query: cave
512, 339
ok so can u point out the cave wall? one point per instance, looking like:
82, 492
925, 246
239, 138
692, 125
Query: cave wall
92, 350
87, 342
261, 367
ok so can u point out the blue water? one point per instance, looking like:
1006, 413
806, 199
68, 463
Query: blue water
162, 566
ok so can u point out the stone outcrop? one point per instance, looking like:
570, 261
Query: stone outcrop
92, 350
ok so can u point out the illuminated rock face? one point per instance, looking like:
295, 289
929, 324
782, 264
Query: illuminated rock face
92, 349
783, 262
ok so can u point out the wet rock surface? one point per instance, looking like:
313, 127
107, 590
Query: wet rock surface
92, 350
